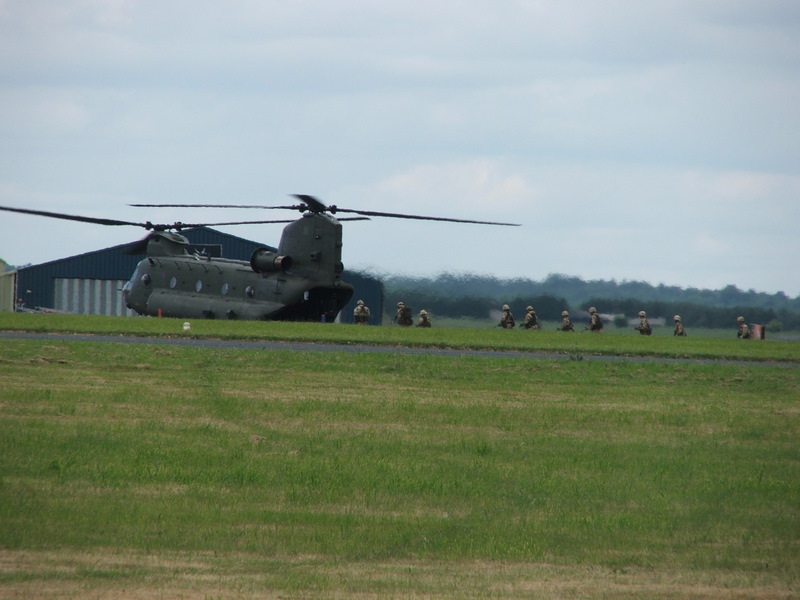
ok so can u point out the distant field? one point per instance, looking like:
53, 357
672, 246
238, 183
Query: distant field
174, 472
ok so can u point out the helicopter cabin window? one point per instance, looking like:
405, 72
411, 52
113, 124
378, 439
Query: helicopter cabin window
146, 279
225, 288
173, 282
250, 291
198, 286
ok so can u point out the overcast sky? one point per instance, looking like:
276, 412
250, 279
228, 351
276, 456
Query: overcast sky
653, 141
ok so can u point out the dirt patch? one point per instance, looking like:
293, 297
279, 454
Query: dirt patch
114, 575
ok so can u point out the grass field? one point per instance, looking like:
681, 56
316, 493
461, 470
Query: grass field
178, 472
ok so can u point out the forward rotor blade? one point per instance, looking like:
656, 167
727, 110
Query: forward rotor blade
43, 213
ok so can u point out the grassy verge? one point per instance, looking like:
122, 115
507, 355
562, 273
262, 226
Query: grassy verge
174, 472
546, 340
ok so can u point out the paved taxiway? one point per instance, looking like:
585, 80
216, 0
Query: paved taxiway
363, 348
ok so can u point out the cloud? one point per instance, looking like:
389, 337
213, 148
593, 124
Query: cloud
468, 188
707, 246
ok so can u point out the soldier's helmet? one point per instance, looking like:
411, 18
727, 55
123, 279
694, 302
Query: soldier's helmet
564, 313
505, 307
400, 305
423, 312
592, 309
677, 317
642, 313
529, 309
740, 319
360, 303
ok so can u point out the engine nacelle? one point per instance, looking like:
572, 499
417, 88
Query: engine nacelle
265, 261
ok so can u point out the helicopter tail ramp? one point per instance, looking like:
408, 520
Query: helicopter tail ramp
319, 304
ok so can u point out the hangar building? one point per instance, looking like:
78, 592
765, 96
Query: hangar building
91, 283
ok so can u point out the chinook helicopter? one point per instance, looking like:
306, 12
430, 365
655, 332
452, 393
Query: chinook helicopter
300, 282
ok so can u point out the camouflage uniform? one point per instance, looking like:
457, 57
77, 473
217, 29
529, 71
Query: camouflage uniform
530, 321
566, 324
644, 327
361, 313
506, 318
424, 319
678, 326
595, 324
744, 330
403, 316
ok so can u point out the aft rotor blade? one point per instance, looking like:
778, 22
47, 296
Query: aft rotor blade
294, 207
317, 206
309, 203
187, 225
372, 213
82, 219
180, 225
312, 204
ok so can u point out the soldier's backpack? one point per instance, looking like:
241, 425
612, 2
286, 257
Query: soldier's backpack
405, 315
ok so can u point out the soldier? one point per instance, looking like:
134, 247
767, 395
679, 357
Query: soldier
530, 321
506, 318
566, 324
361, 313
644, 327
744, 330
595, 324
424, 319
403, 316
678, 326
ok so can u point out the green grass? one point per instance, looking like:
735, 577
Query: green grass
488, 337
172, 471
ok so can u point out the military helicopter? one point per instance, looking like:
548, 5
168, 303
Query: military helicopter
301, 282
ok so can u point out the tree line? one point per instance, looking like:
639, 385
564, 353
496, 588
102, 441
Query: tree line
698, 315
451, 295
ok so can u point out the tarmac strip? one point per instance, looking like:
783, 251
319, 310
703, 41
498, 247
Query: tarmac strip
366, 348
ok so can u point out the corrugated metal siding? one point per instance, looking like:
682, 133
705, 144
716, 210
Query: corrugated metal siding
7, 291
36, 284
91, 297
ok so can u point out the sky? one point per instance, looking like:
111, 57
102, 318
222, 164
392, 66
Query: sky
632, 141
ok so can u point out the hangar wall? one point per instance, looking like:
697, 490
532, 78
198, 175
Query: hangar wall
91, 297
8, 287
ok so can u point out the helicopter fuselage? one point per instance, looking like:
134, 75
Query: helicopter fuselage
301, 282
